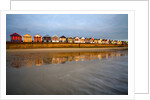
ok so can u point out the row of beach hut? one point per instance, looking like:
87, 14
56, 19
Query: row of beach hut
15, 37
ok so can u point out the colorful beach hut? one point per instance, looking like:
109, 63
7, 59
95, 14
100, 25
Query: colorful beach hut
55, 38
104, 41
27, 38
37, 38
95, 40
82, 40
46, 38
87, 40
15, 37
76, 40
100, 41
70, 40
62, 39
119, 42
114, 42
91, 40
108, 42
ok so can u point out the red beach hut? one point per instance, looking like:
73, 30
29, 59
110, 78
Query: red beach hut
37, 38
15, 37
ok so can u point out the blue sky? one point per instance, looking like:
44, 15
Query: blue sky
100, 26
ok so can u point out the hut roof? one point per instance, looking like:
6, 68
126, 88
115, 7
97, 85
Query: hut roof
63, 36
82, 38
76, 37
104, 39
92, 38
46, 36
37, 35
70, 37
27, 35
54, 36
15, 34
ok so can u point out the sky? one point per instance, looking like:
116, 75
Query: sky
99, 26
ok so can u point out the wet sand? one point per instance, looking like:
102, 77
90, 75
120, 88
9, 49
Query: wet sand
67, 73
68, 49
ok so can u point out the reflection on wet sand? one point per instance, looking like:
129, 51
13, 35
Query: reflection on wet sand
16, 63
39, 59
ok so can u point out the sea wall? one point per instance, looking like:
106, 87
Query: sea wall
22, 45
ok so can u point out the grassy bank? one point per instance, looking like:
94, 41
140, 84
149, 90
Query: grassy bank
22, 45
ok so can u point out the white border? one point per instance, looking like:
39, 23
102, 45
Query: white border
130, 57
141, 27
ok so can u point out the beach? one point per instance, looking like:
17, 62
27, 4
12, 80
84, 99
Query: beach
67, 71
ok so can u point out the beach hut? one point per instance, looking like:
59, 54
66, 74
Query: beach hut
91, 40
119, 42
104, 41
70, 40
55, 38
82, 40
87, 40
100, 41
124, 42
37, 38
15, 37
46, 38
95, 40
76, 40
27, 38
114, 42
62, 39
108, 42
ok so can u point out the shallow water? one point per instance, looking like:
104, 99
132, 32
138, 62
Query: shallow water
67, 73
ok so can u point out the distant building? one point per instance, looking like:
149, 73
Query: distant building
108, 42
119, 42
95, 40
114, 42
100, 41
27, 38
70, 40
76, 40
104, 41
91, 40
15, 37
46, 38
82, 40
55, 38
87, 40
62, 39
37, 38
125, 42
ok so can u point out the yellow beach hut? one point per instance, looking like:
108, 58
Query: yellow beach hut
27, 38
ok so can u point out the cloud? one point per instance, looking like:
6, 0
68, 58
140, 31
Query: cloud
113, 26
